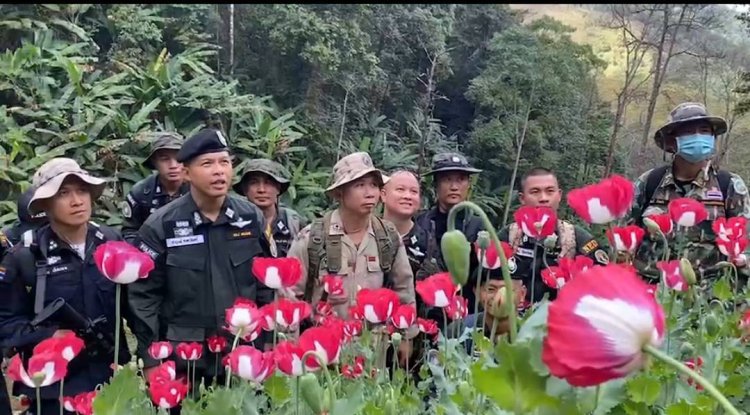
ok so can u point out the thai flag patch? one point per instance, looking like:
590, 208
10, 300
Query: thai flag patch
714, 193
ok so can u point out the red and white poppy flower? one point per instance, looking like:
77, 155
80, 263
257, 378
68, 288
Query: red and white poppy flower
288, 357
217, 344
458, 308
164, 372
189, 351
603, 202
405, 316
277, 273
68, 346
557, 275
427, 326
671, 273
598, 325
251, 364
81, 404
687, 212
121, 262
168, 393
377, 304
285, 314
491, 258
627, 238
333, 285
536, 222
160, 350
325, 342
44, 369
664, 221
243, 315
354, 371
437, 290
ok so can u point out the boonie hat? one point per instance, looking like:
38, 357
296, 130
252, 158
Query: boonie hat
50, 176
685, 113
269, 167
163, 140
351, 168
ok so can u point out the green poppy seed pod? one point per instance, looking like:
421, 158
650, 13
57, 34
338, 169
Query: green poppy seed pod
550, 242
712, 324
465, 390
686, 269
687, 349
456, 252
312, 393
652, 226
483, 240
396, 339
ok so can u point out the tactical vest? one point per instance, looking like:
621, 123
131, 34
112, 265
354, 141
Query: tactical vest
321, 245
566, 233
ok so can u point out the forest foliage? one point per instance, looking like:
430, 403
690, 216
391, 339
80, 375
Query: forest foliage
306, 84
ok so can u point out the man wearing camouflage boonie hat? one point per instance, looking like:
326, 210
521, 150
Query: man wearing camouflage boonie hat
263, 182
690, 134
451, 174
158, 189
353, 243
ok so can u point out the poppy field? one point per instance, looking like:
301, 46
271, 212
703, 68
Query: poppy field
609, 343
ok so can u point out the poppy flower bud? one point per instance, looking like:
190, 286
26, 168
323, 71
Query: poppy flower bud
497, 306
687, 349
456, 250
550, 242
712, 324
686, 269
312, 393
653, 227
396, 339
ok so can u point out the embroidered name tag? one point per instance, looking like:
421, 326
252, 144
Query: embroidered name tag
184, 241
525, 252
714, 194
240, 234
148, 250
59, 269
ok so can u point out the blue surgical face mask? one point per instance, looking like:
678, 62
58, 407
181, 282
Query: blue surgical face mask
696, 148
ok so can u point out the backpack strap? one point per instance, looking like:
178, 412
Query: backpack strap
316, 251
41, 264
292, 221
388, 241
652, 182
567, 238
725, 179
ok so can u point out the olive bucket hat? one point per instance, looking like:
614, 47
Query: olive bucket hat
685, 113
451, 162
269, 167
163, 140
351, 168
48, 179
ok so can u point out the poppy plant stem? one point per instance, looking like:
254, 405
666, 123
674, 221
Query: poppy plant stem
680, 367
118, 290
672, 298
62, 385
234, 345
509, 295
39, 401
331, 390
482, 253
275, 332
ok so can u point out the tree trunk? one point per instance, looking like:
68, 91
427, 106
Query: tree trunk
343, 122
519, 143
231, 39
619, 115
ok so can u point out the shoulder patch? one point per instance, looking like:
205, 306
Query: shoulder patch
127, 212
589, 246
601, 257
148, 250
739, 185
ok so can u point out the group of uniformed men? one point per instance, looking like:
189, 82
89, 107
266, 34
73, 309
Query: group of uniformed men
203, 239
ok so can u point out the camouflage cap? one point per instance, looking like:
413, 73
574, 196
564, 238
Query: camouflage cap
685, 113
451, 162
162, 140
269, 167
351, 168
48, 179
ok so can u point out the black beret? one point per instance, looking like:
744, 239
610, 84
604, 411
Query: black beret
204, 141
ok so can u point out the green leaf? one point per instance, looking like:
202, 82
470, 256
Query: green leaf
141, 117
352, 403
115, 397
644, 389
722, 290
536, 324
278, 388
734, 385
684, 408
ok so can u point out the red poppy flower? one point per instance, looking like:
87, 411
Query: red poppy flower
377, 304
664, 221
81, 404
277, 273
491, 258
404, 316
427, 326
160, 350
598, 326
168, 394
354, 371
603, 202
626, 239
68, 346
189, 351
288, 357
333, 285
728, 229
324, 341
566, 268
285, 314
672, 275
695, 364
164, 372
251, 364
352, 329
437, 290
44, 369
121, 262
687, 212
536, 222
243, 315
457, 309
217, 344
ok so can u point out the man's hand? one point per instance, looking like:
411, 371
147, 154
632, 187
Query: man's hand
405, 350
741, 260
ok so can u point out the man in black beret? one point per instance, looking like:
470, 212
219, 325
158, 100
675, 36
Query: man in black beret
203, 245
